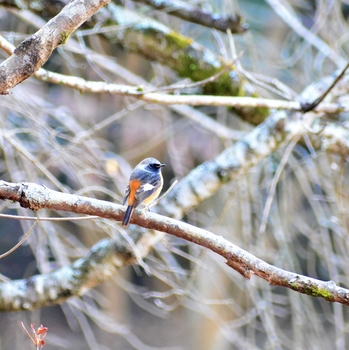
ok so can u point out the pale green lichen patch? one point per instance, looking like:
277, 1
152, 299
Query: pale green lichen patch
321, 292
64, 38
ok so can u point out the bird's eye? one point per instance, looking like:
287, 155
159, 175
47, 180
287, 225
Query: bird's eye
154, 166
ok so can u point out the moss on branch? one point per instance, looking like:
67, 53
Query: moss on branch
157, 42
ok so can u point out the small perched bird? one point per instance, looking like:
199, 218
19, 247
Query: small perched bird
144, 186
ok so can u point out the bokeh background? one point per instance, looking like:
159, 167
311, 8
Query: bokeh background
88, 143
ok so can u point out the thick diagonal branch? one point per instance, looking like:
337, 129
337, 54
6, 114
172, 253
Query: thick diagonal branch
34, 51
107, 256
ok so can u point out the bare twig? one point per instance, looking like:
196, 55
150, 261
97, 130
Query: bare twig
178, 86
21, 241
142, 93
307, 107
274, 183
287, 15
40, 218
174, 183
196, 15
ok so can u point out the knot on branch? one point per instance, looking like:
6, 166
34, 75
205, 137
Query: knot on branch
240, 267
29, 52
28, 45
33, 199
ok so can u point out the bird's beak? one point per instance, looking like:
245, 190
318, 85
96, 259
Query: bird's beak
162, 165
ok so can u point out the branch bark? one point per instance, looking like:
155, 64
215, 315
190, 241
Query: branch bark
196, 15
208, 178
149, 94
34, 51
204, 181
107, 256
155, 41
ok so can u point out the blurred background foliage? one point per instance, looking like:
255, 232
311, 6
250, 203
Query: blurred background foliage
88, 144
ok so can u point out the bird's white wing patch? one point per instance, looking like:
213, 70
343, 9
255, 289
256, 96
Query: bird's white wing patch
148, 187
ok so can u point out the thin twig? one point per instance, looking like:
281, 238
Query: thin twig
288, 16
197, 15
307, 107
164, 195
274, 183
4, 278
210, 79
99, 87
21, 241
40, 218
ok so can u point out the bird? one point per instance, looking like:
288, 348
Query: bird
144, 186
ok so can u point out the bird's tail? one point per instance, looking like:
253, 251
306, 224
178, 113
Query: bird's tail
128, 215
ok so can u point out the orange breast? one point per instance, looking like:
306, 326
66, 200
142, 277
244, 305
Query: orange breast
134, 186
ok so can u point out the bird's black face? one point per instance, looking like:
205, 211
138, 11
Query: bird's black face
156, 166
